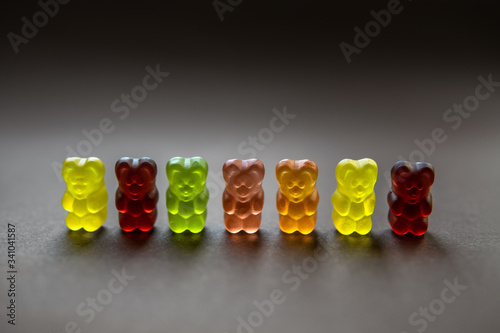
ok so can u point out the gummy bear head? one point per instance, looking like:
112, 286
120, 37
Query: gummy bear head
243, 178
297, 179
83, 176
136, 176
356, 178
412, 181
187, 176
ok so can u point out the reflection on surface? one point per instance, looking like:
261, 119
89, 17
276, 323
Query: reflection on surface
136, 238
242, 244
186, 242
83, 239
355, 243
297, 243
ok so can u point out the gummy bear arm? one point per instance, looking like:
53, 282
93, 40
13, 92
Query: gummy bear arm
67, 201
369, 204
200, 201
228, 203
97, 201
172, 202
311, 203
426, 206
341, 203
282, 203
150, 201
396, 204
258, 203
121, 201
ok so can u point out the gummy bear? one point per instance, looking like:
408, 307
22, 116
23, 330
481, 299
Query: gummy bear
354, 200
297, 198
187, 195
136, 196
86, 197
410, 200
243, 198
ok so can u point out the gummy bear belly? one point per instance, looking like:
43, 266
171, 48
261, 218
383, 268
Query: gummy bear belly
186, 209
412, 212
296, 210
134, 208
80, 207
357, 211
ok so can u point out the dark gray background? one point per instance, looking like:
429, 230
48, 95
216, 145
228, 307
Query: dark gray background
225, 79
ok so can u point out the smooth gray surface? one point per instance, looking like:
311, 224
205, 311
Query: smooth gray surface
225, 79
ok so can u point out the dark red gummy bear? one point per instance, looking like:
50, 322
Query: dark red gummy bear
410, 200
137, 195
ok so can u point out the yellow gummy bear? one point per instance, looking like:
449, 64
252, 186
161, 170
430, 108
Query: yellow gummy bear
86, 197
354, 200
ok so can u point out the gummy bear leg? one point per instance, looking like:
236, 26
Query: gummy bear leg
127, 222
419, 226
147, 221
364, 225
177, 223
306, 224
233, 224
252, 223
344, 225
73, 222
92, 222
287, 224
196, 223
399, 224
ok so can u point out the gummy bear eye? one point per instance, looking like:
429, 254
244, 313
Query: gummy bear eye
190, 183
365, 184
420, 186
408, 186
139, 181
353, 184
289, 184
301, 184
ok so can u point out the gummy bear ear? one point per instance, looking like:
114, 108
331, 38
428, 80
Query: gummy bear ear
122, 164
199, 166
369, 165
69, 166
343, 168
310, 167
174, 165
229, 168
401, 171
95, 165
426, 170
256, 166
148, 164
283, 167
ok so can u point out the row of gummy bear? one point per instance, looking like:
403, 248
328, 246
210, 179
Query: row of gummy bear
85, 199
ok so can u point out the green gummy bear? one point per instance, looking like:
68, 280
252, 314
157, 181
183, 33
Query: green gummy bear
187, 195
86, 197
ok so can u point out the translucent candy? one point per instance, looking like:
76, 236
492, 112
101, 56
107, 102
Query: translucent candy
354, 200
136, 196
243, 197
86, 197
297, 198
410, 200
187, 195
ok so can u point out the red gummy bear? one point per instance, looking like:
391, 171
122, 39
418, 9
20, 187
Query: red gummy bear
410, 200
136, 196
